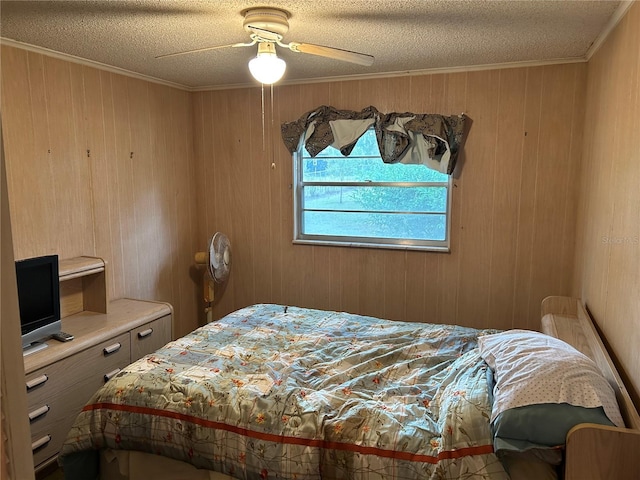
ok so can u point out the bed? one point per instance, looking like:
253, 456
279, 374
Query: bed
272, 391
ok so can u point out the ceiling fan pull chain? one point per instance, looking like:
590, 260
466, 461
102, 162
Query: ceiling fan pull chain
262, 107
273, 148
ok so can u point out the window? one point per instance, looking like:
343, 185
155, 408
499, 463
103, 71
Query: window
361, 201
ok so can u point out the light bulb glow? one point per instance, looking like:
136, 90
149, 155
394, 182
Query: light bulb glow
267, 68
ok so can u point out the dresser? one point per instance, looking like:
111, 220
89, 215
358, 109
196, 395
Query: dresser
108, 336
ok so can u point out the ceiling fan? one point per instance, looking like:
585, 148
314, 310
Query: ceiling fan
266, 27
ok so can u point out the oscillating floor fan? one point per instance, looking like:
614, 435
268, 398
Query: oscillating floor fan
217, 262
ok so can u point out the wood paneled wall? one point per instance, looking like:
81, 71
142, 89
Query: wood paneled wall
607, 273
101, 164
513, 213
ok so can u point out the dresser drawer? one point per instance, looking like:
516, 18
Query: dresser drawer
77, 377
50, 440
59, 391
150, 337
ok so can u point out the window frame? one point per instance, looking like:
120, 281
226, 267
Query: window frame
363, 242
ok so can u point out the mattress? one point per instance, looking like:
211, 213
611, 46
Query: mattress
286, 392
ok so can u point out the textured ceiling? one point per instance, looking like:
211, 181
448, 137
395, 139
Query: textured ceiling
403, 35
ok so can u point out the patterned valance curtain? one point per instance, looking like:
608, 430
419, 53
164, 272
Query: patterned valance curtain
430, 139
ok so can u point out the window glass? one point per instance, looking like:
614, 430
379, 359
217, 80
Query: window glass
361, 201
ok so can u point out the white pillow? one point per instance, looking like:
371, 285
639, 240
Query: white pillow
532, 368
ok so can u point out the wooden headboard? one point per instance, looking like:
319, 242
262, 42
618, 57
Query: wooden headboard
595, 451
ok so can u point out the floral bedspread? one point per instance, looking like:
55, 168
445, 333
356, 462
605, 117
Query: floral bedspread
284, 392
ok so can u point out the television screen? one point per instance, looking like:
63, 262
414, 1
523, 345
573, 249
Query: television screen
38, 297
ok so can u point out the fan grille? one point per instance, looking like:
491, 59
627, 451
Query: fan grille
219, 257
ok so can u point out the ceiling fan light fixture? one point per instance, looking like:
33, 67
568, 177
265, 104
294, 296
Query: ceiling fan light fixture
267, 67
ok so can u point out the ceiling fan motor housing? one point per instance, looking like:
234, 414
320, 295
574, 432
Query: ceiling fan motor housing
270, 19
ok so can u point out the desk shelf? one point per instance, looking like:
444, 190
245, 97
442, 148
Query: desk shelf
83, 286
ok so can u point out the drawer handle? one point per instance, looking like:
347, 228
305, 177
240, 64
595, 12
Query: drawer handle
41, 442
145, 333
112, 348
38, 412
33, 383
111, 374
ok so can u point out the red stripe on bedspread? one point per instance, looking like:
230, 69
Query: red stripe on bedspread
447, 454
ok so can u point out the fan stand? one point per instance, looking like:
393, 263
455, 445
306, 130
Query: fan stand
209, 296
202, 258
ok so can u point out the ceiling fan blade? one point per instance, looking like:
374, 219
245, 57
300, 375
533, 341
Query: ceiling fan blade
331, 52
205, 49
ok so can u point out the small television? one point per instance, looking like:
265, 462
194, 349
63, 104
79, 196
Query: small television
39, 301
